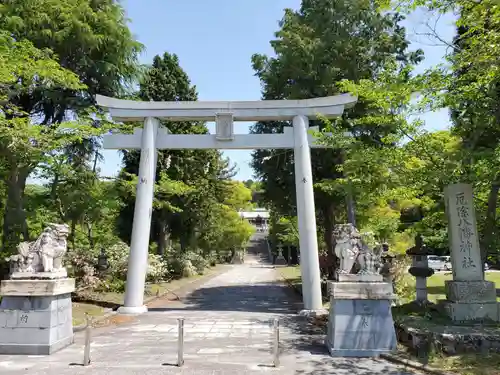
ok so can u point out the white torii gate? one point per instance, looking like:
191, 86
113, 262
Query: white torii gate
153, 137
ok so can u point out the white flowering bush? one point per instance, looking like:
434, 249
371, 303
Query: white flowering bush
81, 266
188, 269
118, 260
199, 263
157, 268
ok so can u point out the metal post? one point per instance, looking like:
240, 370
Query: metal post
86, 350
276, 343
180, 343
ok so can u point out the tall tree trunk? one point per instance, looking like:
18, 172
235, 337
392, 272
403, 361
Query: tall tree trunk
96, 159
14, 221
351, 210
90, 236
72, 235
329, 220
489, 233
53, 187
163, 240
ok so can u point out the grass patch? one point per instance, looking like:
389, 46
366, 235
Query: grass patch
468, 364
463, 364
293, 277
431, 318
435, 284
80, 310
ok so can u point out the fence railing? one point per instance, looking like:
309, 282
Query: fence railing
275, 343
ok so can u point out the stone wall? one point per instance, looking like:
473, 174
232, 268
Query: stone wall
449, 343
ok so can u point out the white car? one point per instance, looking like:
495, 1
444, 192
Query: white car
448, 266
436, 262
447, 263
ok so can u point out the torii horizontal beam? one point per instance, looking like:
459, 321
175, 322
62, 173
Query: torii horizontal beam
261, 110
165, 140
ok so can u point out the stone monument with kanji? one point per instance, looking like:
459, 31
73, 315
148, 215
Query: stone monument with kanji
469, 297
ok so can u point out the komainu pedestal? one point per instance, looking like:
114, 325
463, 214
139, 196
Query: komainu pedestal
35, 316
35, 312
360, 320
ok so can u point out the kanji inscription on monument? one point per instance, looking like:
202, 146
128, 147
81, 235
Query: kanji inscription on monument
462, 232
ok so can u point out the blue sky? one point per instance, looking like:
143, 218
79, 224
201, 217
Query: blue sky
215, 40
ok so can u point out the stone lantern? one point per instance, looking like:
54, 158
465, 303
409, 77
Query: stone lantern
102, 261
420, 268
280, 259
386, 264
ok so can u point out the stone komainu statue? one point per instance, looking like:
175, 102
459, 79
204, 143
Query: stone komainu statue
354, 255
43, 255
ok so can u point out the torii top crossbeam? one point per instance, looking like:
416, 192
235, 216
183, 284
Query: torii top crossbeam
130, 110
224, 113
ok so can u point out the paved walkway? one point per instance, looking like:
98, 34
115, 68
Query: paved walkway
227, 331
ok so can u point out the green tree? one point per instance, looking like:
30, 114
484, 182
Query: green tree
239, 196
202, 171
90, 39
469, 87
474, 98
23, 145
318, 46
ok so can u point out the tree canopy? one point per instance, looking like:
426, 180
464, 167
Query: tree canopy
391, 171
54, 57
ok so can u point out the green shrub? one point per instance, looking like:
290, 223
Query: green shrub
118, 260
404, 283
111, 285
81, 265
198, 262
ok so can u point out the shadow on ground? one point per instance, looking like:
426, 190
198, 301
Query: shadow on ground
260, 298
104, 304
314, 359
353, 366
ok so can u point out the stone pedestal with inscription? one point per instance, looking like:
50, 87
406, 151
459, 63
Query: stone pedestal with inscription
360, 320
471, 301
35, 313
36, 316
468, 296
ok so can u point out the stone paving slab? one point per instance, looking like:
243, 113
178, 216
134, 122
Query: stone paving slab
228, 330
